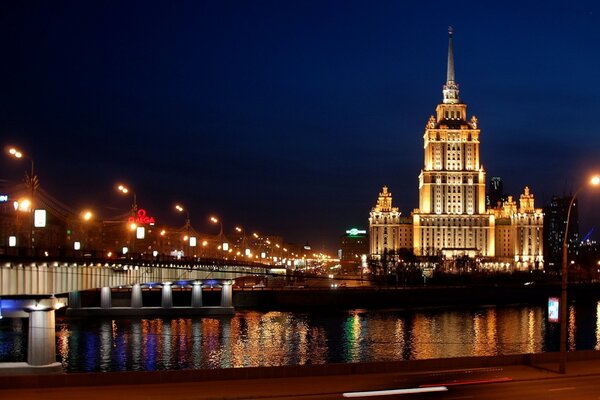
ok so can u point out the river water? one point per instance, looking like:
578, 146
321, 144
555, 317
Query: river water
252, 338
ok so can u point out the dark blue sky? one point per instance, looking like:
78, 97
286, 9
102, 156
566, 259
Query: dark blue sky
287, 117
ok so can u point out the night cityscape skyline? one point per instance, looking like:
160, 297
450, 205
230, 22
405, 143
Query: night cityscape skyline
288, 118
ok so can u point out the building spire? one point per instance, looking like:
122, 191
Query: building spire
450, 90
450, 74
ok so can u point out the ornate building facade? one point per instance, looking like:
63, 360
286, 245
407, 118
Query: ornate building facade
388, 231
452, 219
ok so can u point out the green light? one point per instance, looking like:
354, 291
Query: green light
68, 231
356, 232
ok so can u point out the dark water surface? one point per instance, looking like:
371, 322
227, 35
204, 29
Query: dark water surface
253, 338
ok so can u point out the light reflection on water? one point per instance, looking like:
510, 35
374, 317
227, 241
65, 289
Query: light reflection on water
252, 338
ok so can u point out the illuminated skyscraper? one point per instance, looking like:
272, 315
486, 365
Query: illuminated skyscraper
452, 219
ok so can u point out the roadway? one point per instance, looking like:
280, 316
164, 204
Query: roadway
511, 382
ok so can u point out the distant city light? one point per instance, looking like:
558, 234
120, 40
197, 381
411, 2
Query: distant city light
12, 241
76, 245
39, 218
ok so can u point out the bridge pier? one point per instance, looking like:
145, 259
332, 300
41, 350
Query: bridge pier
197, 294
136, 296
75, 299
105, 297
41, 349
167, 295
226, 294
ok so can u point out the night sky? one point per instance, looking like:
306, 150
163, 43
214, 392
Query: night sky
287, 117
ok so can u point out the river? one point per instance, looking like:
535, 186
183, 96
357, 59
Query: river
253, 338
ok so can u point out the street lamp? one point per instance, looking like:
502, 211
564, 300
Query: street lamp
16, 153
595, 181
215, 220
86, 216
125, 190
180, 209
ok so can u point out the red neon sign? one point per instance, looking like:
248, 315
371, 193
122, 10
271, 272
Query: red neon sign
142, 218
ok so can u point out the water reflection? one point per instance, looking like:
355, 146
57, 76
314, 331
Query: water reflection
253, 338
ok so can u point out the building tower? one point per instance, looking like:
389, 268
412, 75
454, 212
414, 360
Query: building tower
452, 219
384, 225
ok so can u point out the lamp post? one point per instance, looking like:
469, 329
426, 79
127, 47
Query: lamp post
86, 216
16, 153
215, 220
181, 209
564, 281
132, 226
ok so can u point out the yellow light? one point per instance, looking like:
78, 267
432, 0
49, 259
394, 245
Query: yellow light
132, 226
162, 233
15, 153
185, 238
204, 243
595, 180
178, 208
87, 215
214, 220
237, 228
123, 189
255, 235
23, 205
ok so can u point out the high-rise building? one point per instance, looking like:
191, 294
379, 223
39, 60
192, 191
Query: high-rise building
554, 230
452, 219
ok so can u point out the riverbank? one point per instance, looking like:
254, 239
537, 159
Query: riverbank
405, 297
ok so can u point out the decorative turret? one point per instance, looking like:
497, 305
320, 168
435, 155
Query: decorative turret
384, 202
450, 90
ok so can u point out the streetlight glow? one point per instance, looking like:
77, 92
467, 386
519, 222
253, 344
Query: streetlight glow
87, 215
595, 180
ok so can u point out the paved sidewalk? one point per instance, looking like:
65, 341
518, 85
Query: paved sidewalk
305, 387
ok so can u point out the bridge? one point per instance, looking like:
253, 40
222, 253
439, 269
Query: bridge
35, 287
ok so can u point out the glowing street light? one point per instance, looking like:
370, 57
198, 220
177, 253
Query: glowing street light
33, 182
125, 190
179, 208
594, 181
215, 220
87, 215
